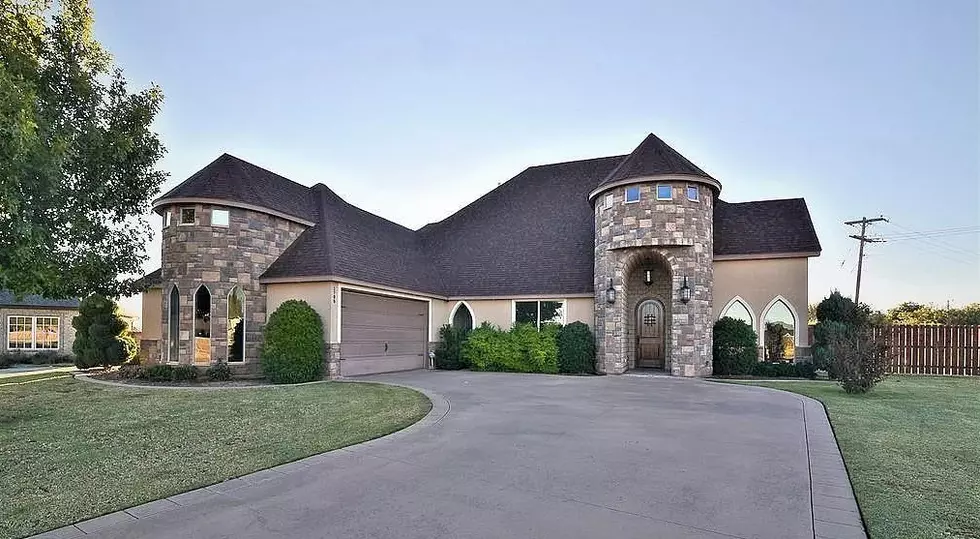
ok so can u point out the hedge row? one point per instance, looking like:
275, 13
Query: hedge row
522, 348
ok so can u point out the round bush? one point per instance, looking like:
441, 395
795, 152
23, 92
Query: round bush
292, 347
576, 349
734, 347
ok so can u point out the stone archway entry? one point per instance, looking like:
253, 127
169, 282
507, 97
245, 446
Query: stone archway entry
650, 334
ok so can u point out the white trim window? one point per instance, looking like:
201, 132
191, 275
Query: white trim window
665, 192
166, 218
539, 311
33, 333
462, 317
632, 194
739, 309
219, 217
693, 194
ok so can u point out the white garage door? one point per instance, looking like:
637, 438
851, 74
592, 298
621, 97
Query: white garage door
381, 334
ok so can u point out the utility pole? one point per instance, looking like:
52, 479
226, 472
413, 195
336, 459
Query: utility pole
863, 238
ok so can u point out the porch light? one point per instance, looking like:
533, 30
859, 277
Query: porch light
685, 291
648, 277
610, 293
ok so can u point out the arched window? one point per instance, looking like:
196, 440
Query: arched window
236, 325
462, 317
202, 325
739, 310
173, 326
779, 329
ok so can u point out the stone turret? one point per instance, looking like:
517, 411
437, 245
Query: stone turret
653, 233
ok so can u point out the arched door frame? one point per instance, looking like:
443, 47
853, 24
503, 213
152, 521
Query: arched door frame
792, 310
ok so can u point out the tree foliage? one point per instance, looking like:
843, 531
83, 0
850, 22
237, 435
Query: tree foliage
77, 156
102, 337
912, 313
733, 347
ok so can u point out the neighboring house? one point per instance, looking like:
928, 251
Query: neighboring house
34, 324
637, 246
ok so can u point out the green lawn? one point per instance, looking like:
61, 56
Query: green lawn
71, 450
912, 447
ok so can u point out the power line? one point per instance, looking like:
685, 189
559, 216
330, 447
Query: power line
863, 238
935, 242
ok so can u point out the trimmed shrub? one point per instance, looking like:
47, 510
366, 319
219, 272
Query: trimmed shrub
522, 349
781, 369
734, 350
576, 349
185, 373
292, 347
449, 352
219, 372
47, 358
102, 337
6, 360
158, 373
860, 360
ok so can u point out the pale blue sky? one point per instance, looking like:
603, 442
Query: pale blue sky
413, 109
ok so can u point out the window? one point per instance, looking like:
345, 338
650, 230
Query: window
539, 312
202, 325
187, 216
33, 332
166, 218
463, 318
665, 192
632, 194
219, 217
779, 329
739, 311
236, 325
173, 326
692, 193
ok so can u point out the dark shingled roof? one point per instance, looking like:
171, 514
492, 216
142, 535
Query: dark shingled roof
533, 234
154, 278
8, 299
764, 227
652, 157
232, 179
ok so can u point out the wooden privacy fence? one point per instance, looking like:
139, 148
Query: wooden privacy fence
950, 350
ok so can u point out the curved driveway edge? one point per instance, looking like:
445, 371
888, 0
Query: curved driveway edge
98, 525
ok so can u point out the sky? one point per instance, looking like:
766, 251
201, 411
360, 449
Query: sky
411, 110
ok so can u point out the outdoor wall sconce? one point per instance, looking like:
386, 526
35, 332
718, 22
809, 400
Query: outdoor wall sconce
648, 277
610, 293
685, 291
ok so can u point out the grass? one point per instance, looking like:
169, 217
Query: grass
912, 447
72, 450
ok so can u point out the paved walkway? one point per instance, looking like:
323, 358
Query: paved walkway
505, 455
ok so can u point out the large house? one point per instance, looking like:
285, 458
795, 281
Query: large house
637, 246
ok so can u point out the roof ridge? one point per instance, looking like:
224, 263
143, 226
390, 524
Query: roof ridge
621, 156
763, 200
263, 169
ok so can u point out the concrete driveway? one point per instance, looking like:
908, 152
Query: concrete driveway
506, 455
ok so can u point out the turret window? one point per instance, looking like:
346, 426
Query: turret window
187, 216
692, 193
632, 194
665, 192
219, 217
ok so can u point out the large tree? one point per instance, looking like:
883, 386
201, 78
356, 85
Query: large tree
77, 156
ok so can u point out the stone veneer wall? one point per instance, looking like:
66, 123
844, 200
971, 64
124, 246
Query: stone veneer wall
66, 337
627, 236
220, 258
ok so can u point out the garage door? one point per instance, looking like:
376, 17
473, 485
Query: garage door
381, 334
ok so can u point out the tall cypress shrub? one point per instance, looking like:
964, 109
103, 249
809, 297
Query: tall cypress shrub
102, 337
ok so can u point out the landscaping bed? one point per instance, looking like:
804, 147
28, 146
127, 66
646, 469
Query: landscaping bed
912, 448
116, 376
73, 450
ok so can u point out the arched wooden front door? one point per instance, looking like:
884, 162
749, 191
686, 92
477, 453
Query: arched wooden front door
650, 341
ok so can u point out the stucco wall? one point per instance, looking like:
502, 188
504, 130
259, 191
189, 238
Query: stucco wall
318, 295
66, 332
151, 315
500, 312
758, 282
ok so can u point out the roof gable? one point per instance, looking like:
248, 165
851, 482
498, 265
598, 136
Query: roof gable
653, 157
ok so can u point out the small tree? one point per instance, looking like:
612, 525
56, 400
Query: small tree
292, 347
449, 352
860, 359
576, 349
102, 337
734, 347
